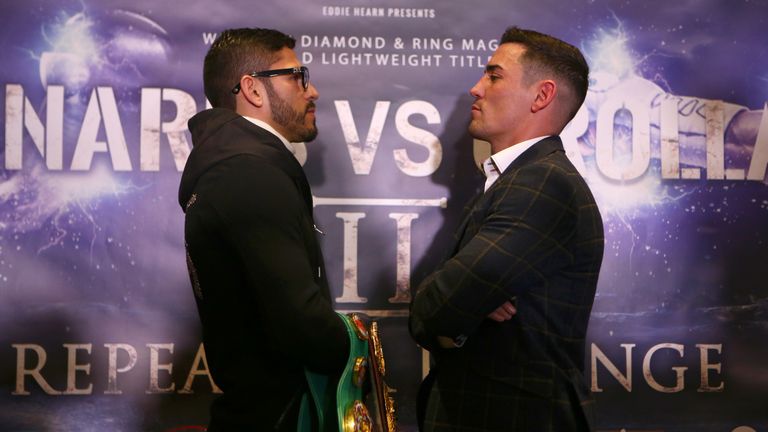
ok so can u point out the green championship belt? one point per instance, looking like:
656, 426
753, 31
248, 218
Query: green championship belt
359, 400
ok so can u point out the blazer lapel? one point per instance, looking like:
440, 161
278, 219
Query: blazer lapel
469, 224
535, 152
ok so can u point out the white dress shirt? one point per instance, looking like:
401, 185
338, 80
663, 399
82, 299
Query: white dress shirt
271, 130
497, 163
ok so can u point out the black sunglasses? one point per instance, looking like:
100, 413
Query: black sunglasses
277, 72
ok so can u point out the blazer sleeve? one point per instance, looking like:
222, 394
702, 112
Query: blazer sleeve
520, 240
271, 229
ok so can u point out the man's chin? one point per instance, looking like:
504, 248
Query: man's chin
475, 132
307, 135
311, 137
311, 132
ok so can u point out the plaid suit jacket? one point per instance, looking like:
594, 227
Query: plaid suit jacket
536, 238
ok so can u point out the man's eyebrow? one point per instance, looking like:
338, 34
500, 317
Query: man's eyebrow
493, 68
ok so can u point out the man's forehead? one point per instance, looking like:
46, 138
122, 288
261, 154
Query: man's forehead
506, 55
286, 57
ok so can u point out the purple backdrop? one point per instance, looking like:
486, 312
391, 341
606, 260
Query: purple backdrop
98, 329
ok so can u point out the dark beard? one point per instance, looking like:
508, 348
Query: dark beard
291, 121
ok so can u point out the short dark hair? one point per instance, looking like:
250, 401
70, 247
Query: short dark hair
237, 52
545, 54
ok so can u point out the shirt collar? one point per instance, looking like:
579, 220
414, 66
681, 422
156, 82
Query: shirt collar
270, 129
498, 163
504, 158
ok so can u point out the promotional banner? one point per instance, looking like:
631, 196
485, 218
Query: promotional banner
98, 326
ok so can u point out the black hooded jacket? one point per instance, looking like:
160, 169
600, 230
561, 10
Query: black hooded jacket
257, 272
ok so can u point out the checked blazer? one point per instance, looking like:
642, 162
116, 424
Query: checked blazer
534, 238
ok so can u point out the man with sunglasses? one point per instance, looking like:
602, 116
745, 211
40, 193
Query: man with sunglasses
253, 257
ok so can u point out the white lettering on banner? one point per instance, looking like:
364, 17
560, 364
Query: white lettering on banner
175, 130
410, 13
759, 161
637, 109
82, 369
395, 59
479, 45
402, 260
369, 50
102, 110
362, 156
19, 115
623, 164
418, 136
474, 61
715, 117
349, 287
432, 43
670, 141
209, 37
679, 370
195, 371
705, 366
403, 266
368, 12
376, 12
641, 138
31, 361
113, 370
403, 254
73, 368
335, 10
625, 379
34, 372
389, 202
344, 42
155, 367
371, 59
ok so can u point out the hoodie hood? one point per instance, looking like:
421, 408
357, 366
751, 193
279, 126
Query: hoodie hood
219, 134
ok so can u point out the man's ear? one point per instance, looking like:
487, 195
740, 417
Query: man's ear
252, 90
545, 94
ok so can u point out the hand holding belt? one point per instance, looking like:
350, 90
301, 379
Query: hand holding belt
343, 405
